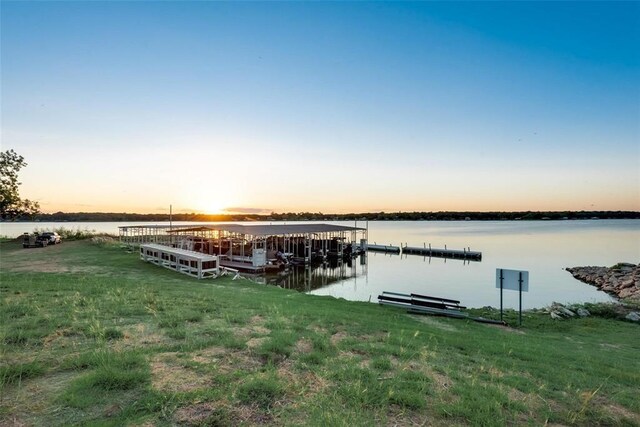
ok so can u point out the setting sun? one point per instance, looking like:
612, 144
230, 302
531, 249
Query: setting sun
214, 208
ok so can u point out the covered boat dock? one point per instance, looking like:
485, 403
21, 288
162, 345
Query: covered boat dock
255, 247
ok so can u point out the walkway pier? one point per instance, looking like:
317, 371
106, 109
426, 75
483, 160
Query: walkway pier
383, 248
465, 253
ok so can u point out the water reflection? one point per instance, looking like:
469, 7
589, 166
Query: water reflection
319, 276
316, 276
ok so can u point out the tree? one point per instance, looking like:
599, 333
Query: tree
11, 205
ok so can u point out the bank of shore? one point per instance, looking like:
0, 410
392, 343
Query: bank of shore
622, 280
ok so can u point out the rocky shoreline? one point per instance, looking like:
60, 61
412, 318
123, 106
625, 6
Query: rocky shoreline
622, 280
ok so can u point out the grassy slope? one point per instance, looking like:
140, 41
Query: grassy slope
92, 335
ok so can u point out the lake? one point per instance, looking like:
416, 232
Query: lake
544, 248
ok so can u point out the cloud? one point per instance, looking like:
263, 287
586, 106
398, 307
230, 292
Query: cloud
245, 210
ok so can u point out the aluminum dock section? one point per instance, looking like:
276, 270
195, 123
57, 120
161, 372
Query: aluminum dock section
383, 248
443, 253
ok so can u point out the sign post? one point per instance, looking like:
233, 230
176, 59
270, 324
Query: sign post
515, 280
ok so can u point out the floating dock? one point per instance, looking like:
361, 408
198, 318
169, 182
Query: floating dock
465, 253
383, 248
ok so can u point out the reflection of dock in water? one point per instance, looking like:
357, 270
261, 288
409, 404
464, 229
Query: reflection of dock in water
311, 277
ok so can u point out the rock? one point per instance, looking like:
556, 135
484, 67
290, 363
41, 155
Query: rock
583, 312
559, 311
621, 280
626, 283
634, 316
556, 316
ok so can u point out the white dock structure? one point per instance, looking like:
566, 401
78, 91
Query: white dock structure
193, 263
253, 247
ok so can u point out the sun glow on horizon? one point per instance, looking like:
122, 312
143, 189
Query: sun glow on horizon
214, 208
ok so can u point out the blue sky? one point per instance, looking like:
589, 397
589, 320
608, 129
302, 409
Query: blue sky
328, 107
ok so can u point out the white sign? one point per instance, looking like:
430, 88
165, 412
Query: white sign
511, 279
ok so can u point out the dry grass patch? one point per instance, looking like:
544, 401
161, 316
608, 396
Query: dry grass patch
51, 265
251, 330
304, 346
401, 417
12, 421
615, 410
252, 415
256, 342
441, 381
254, 327
238, 360
318, 329
49, 259
197, 414
492, 371
60, 338
337, 337
531, 401
210, 355
302, 383
33, 398
257, 320
140, 335
433, 322
169, 374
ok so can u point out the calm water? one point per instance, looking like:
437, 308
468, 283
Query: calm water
544, 248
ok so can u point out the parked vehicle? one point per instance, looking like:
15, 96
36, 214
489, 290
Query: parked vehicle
34, 240
52, 236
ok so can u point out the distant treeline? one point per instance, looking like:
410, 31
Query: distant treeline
319, 216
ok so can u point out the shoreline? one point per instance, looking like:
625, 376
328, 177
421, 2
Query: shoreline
622, 280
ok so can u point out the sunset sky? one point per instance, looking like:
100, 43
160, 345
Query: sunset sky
332, 107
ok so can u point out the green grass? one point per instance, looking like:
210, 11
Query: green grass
90, 334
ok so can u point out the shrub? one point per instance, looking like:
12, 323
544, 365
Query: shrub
70, 233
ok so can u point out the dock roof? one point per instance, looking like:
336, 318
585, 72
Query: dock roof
182, 252
270, 229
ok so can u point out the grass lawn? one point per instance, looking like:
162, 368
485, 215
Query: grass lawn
92, 335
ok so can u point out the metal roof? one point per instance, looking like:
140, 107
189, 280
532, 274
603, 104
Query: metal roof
162, 225
182, 252
271, 229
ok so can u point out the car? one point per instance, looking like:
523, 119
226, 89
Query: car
52, 237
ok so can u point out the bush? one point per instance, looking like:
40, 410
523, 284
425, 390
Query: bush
605, 310
70, 233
